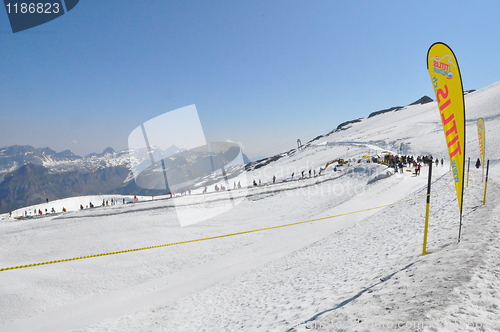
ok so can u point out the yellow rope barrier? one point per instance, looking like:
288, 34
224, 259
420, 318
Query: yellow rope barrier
212, 237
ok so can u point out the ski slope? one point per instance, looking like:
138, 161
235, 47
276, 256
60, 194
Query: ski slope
358, 269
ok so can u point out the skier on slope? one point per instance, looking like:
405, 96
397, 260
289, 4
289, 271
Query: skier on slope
478, 163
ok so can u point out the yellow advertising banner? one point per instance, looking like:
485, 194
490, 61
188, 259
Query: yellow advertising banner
481, 135
447, 83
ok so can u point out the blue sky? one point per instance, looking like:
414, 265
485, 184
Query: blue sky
261, 73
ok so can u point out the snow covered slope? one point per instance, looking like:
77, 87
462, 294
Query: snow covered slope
349, 271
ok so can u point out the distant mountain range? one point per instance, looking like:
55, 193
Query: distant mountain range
33, 184
14, 157
31, 175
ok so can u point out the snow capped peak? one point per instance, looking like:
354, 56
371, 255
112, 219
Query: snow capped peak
108, 150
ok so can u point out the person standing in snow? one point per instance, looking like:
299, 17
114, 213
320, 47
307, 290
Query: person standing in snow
293, 175
418, 169
274, 179
478, 163
442, 162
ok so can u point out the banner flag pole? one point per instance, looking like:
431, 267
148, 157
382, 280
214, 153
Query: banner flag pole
468, 167
427, 209
486, 182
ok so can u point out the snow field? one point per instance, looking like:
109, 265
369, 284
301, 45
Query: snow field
355, 272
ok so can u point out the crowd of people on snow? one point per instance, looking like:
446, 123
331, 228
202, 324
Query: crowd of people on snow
40, 212
303, 175
399, 162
